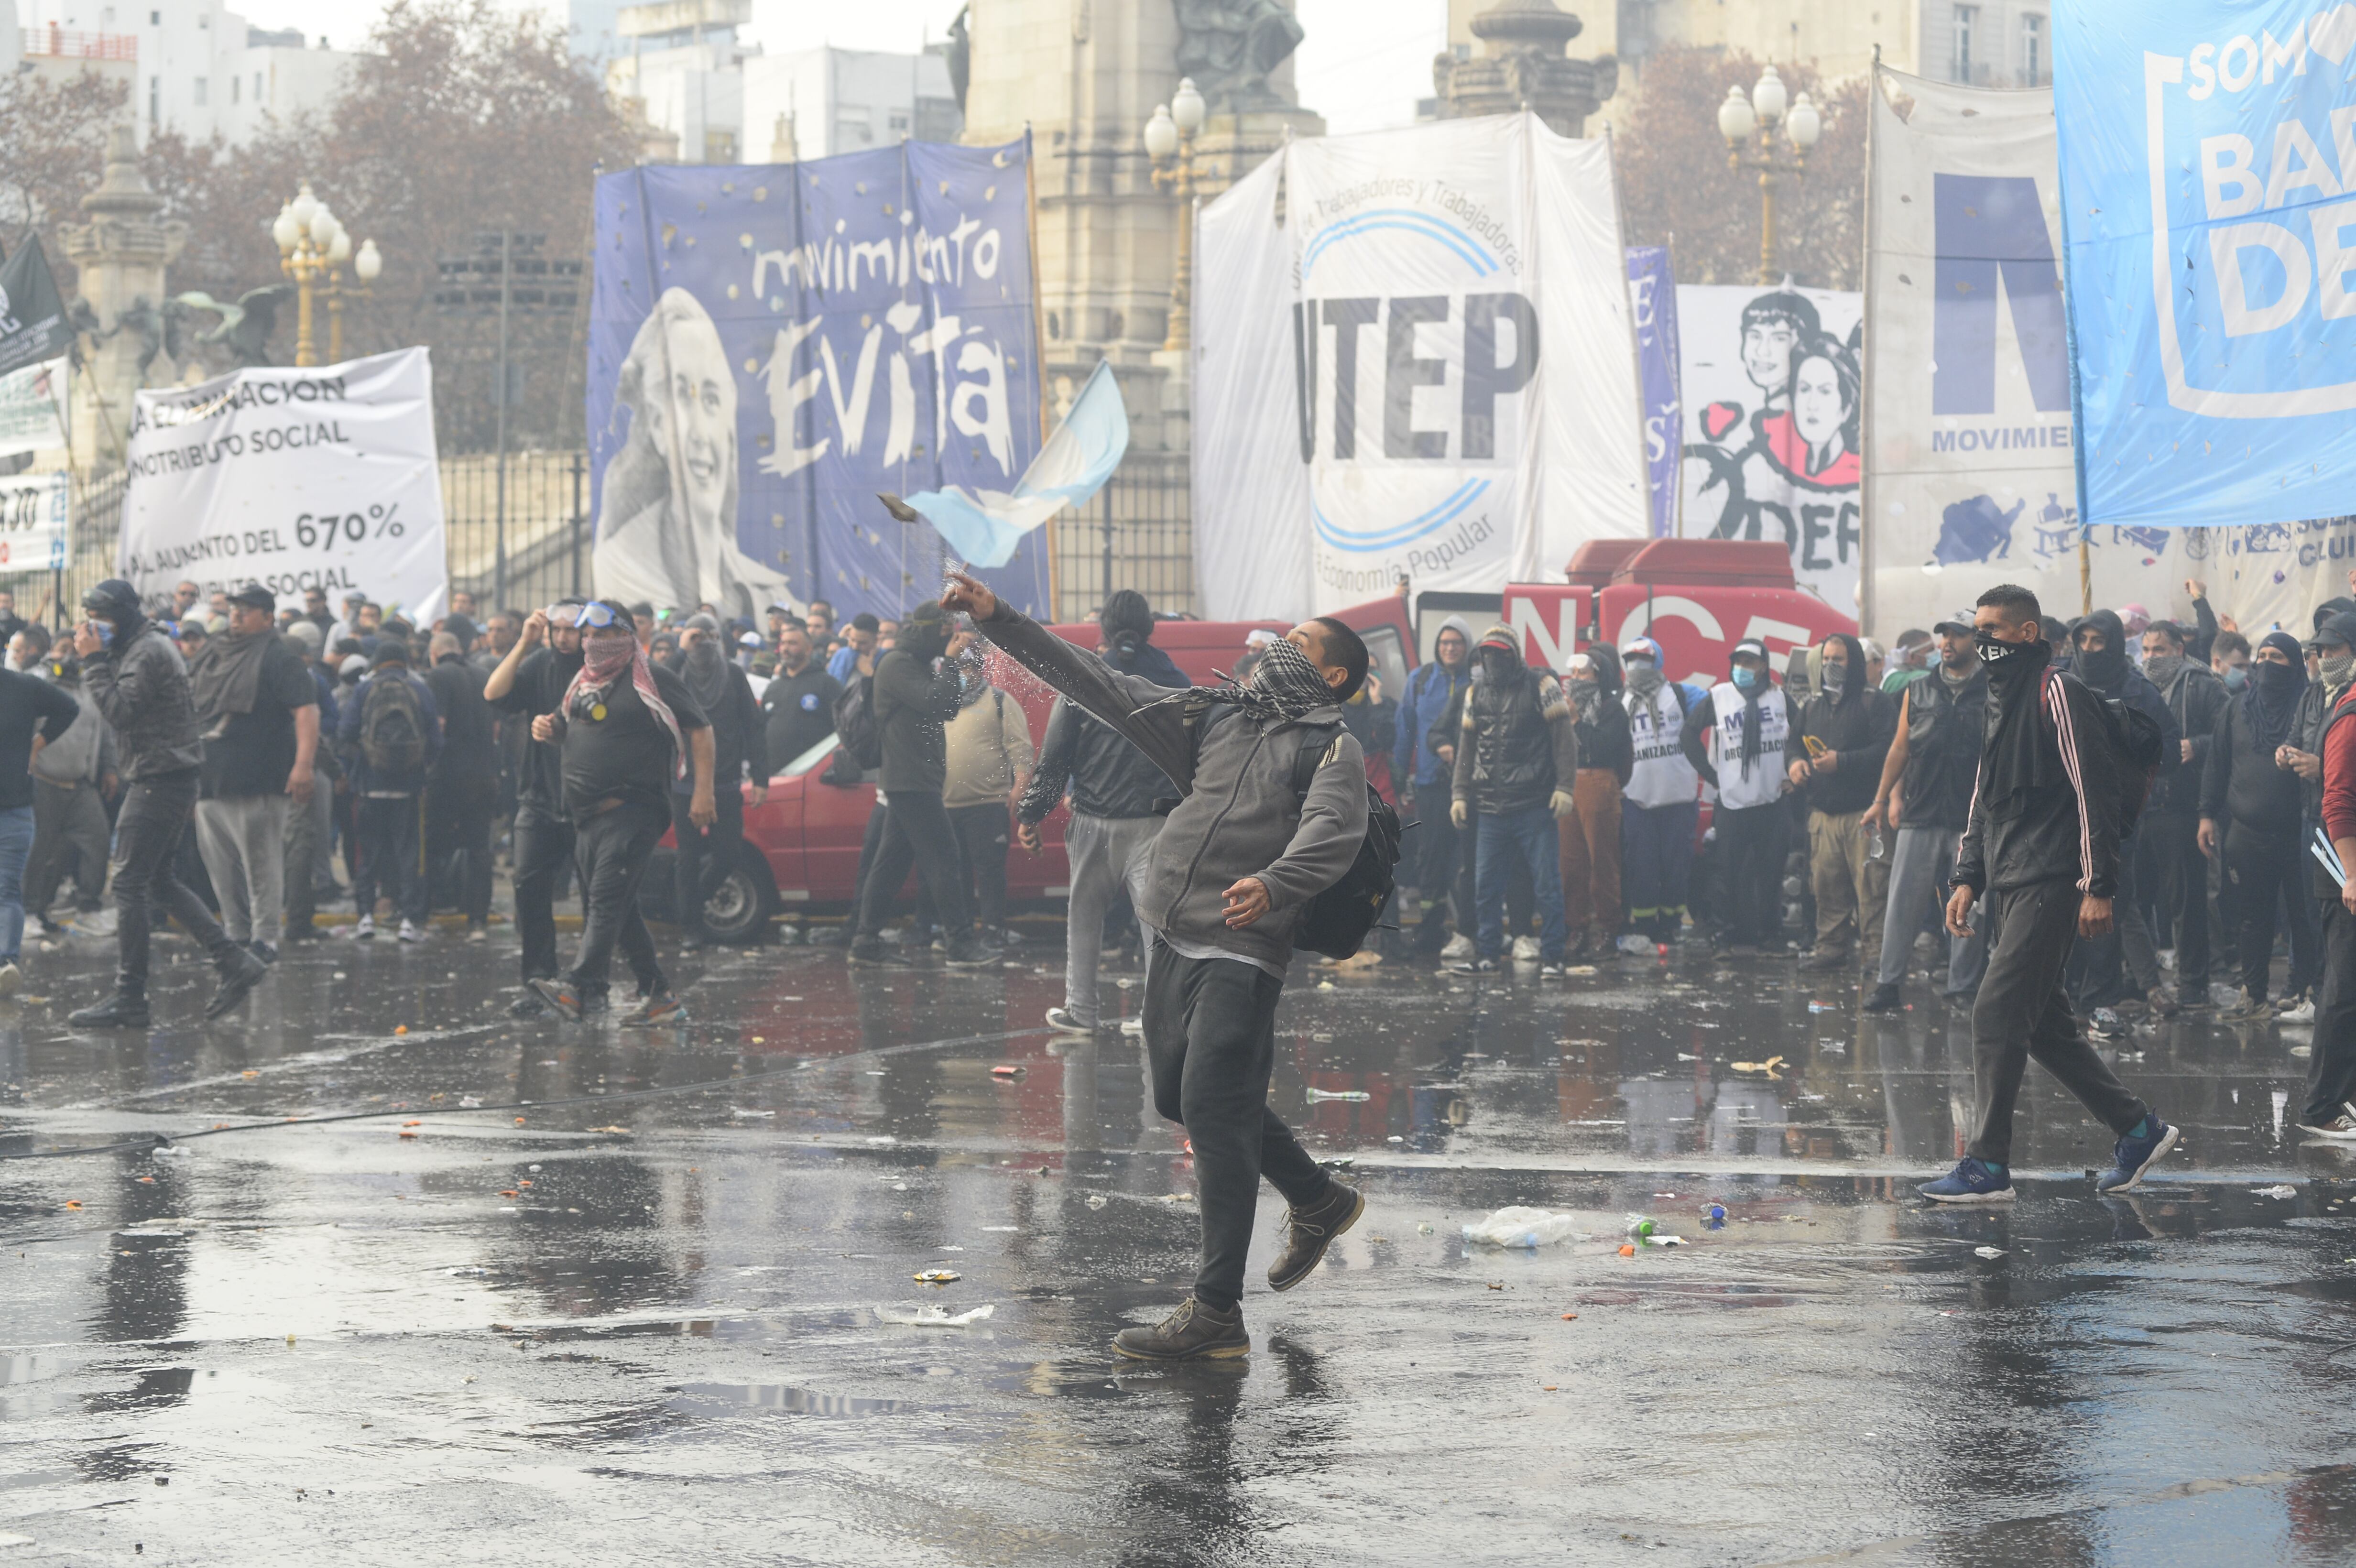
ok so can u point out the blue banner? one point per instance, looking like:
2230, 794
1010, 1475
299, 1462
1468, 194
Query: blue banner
1652, 295
771, 345
2209, 243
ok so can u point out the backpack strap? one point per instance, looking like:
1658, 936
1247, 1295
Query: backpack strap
1315, 739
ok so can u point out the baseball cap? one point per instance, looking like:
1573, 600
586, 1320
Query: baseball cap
254, 596
1959, 623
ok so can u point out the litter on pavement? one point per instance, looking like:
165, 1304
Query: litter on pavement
1525, 1228
932, 1317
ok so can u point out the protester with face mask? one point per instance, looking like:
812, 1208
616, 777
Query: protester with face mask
1425, 769
1925, 797
1660, 802
2332, 662
1244, 849
740, 752
2250, 813
531, 680
1845, 732
141, 687
2170, 833
1735, 738
1516, 753
2123, 965
2041, 859
1590, 834
463, 791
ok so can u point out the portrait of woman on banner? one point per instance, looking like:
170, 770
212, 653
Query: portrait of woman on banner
667, 518
1813, 438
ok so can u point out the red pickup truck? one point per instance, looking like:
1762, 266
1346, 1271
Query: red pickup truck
802, 843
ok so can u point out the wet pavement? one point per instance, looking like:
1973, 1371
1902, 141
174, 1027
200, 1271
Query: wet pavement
570, 1293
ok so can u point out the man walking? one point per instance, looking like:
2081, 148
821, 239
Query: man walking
912, 708
137, 679
1735, 738
1926, 795
73, 777
1847, 728
463, 791
1428, 770
391, 734
628, 729
1515, 758
1242, 851
2042, 850
740, 749
532, 680
1114, 786
260, 712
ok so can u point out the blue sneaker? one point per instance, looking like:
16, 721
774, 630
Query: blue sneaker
2135, 1156
1973, 1180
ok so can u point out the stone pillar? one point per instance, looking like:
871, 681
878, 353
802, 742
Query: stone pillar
120, 256
1522, 64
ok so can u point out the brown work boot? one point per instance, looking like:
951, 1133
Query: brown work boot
1193, 1333
1309, 1231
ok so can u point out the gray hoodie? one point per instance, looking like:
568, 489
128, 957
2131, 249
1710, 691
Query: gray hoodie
1238, 815
84, 754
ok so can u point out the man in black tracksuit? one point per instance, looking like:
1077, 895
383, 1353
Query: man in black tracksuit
2105, 967
1243, 850
2044, 851
2171, 832
914, 704
529, 681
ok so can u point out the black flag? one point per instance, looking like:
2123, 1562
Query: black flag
33, 325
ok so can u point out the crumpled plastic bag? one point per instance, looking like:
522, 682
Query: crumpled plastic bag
932, 1317
1525, 1228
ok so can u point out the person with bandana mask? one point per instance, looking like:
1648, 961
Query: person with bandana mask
531, 680
2171, 837
141, 687
1845, 732
631, 731
1516, 754
1606, 750
1735, 738
740, 750
1660, 802
1926, 795
915, 702
2250, 814
2041, 860
2123, 962
2330, 664
1244, 849
1113, 786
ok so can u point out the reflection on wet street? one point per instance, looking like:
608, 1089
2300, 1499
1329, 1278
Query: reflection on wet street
571, 1294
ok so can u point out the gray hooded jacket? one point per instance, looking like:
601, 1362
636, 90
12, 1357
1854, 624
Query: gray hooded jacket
141, 685
1238, 815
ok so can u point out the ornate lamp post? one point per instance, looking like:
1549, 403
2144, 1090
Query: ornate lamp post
1170, 143
313, 248
1738, 119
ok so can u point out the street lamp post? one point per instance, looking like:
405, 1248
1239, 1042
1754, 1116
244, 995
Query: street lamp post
313, 250
1170, 143
1738, 119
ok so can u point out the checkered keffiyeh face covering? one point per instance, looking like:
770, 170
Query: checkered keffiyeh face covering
1284, 685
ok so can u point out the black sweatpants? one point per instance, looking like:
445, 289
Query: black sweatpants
983, 833
458, 821
1210, 1044
2268, 871
917, 833
543, 844
1750, 848
2331, 1069
705, 855
2183, 894
2023, 1012
156, 814
388, 855
610, 854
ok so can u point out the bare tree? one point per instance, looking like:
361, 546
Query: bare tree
54, 135
1677, 189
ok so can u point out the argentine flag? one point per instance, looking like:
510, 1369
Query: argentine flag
985, 525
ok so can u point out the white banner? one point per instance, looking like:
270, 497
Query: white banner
1425, 371
1971, 478
32, 407
295, 478
35, 512
1773, 447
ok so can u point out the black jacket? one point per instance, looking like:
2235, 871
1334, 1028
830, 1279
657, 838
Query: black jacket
141, 687
2196, 700
1516, 743
1858, 731
740, 739
1106, 774
1943, 730
2242, 783
2071, 829
798, 713
913, 707
1604, 739
467, 758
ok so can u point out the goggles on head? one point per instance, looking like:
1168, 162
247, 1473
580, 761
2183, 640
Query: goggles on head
597, 617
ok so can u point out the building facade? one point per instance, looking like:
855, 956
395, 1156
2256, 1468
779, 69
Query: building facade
192, 66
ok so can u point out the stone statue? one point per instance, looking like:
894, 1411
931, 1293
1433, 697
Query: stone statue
959, 56
1230, 46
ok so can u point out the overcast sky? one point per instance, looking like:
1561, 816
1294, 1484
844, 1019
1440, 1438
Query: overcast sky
1363, 66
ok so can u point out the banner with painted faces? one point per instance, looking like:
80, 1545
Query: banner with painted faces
2208, 160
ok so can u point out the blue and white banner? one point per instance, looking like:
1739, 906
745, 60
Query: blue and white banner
771, 345
1418, 363
2209, 185
1652, 295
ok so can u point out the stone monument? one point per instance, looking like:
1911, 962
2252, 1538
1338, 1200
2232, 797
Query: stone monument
1521, 63
120, 254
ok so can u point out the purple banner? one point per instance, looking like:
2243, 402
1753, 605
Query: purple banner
1653, 292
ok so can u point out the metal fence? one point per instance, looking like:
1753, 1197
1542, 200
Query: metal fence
1138, 533
535, 520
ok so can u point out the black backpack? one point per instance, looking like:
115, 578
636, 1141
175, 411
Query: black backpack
1336, 922
392, 725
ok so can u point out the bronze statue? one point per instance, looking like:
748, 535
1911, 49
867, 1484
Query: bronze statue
1230, 47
